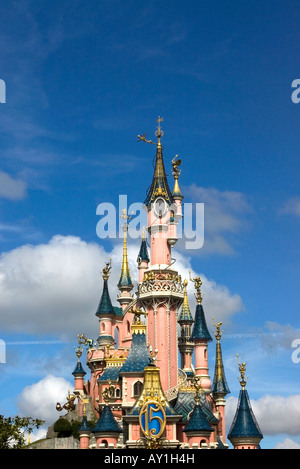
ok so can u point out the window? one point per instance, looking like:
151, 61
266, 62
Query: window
137, 389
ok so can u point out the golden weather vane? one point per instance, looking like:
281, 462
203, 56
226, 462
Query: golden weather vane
159, 133
175, 163
126, 219
242, 368
106, 270
197, 282
218, 333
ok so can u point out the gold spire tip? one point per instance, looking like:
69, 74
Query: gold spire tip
241, 378
106, 270
218, 333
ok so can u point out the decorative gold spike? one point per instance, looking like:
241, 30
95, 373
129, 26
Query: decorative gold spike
176, 172
106, 270
218, 333
242, 368
197, 282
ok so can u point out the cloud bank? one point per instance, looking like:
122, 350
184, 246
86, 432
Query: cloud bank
55, 288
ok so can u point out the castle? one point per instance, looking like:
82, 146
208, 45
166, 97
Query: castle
149, 383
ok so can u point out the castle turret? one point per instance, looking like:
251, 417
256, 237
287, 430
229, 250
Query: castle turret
220, 387
198, 430
105, 312
201, 337
125, 284
161, 291
244, 432
84, 433
143, 258
107, 430
185, 342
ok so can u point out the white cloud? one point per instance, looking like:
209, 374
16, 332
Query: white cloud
39, 399
218, 301
224, 217
291, 207
287, 444
11, 188
55, 288
275, 414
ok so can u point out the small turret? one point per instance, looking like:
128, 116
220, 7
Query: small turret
201, 337
79, 372
125, 284
198, 430
244, 432
185, 343
105, 311
143, 258
107, 430
220, 387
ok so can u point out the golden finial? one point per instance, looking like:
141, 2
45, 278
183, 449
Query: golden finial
218, 333
137, 315
126, 219
82, 340
196, 381
106, 270
153, 355
242, 368
159, 133
176, 172
197, 282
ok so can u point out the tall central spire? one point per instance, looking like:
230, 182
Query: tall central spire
159, 185
125, 279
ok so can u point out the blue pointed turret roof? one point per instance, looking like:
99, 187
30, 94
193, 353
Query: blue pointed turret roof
198, 421
143, 252
200, 330
79, 369
185, 403
107, 423
105, 306
84, 427
244, 423
138, 356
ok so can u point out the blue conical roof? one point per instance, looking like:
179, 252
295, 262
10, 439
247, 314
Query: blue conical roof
138, 357
197, 421
105, 305
107, 423
143, 253
84, 427
200, 330
244, 423
79, 369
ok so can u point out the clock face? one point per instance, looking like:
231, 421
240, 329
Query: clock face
160, 207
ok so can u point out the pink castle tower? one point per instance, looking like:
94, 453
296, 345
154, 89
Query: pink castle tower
161, 291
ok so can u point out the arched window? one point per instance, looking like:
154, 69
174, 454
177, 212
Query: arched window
116, 337
128, 327
137, 389
105, 443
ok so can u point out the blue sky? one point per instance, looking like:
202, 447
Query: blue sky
83, 79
